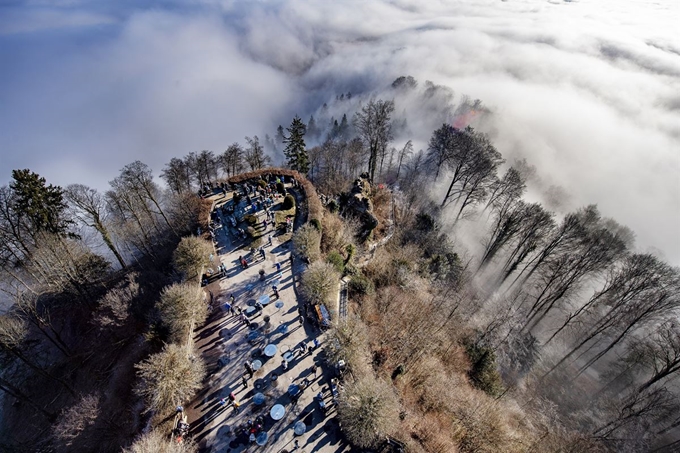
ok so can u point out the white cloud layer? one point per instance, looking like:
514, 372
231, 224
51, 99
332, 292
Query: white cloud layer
588, 92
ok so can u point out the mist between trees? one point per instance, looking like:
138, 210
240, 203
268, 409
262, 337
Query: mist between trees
568, 336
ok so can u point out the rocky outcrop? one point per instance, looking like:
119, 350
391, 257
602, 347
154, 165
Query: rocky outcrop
357, 203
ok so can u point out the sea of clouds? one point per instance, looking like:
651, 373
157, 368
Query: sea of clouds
587, 91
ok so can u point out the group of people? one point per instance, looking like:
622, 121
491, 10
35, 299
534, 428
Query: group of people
230, 400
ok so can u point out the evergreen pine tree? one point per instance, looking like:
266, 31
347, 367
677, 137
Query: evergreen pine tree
295, 150
312, 129
42, 206
280, 137
343, 129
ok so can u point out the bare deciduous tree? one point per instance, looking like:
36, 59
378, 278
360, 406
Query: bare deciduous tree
191, 256
254, 154
13, 332
232, 160
169, 378
157, 442
307, 243
368, 410
374, 125
320, 282
74, 420
89, 207
182, 308
177, 175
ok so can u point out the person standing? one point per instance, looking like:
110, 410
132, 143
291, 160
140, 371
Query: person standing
236, 405
284, 365
262, 253
244, 381
270, 240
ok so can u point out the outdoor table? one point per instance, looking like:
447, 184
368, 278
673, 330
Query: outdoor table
279, 304
293, 389
283, 328
253, 335
258, 398
261, 438
264, 299
270, 350
249, 310
256, 365
299, 428
277, 412
288, 356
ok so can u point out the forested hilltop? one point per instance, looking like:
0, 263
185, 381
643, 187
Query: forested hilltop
478, 319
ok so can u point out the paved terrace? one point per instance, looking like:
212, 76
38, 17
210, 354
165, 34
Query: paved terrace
226, 343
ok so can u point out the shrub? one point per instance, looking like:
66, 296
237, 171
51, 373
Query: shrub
182, 307
361, 284
191, 255
280, 188
262, 183
169, 378
157, 442
368, 410
332, 206
256, 243
307, 243
351, 250
334, 233
483, 373
337, 261
288, 202
251, 219
320, 283
316, 224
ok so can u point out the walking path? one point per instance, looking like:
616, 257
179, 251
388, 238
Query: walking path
226, 343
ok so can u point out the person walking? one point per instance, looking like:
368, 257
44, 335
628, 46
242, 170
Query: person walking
244, 381
284, 365
236, 406
276, 291
262, 253
270, 240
